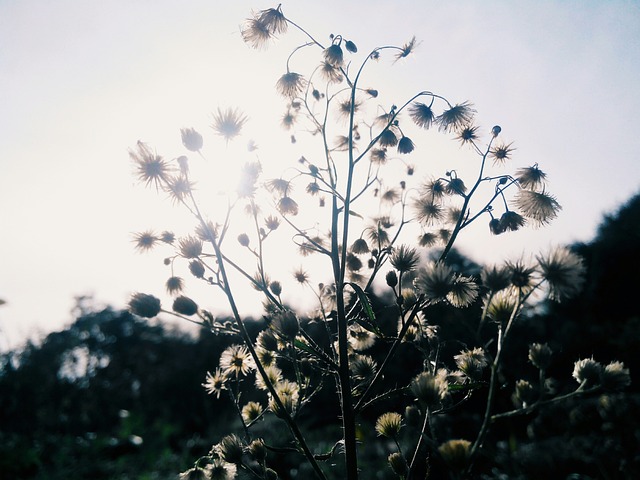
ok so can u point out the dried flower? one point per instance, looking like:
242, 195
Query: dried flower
178, 187
191, 139
287, 206
174, 285
421, 114
398, 464
540, 355
150, 168
378, 156
288, 393
455, 117
196, 268
525, 394
406, 49
388, 138
472, 362
427, 239
389, 424
563, 271
435, 281
230, 449
501, 306
218, 469
190, 247
404, 258
255, 33
333, 55
251, 412
236, 360
455, 186
429, 389
615, 377
144, 305
215, 383
511, 221
360, 339
359, 247
495, 278
588, 372
405, 145
467, 134
145, 240
273, 19
330, 73
427, 211
463, 292
501, 153
195, 473
286, 325
185, 306
228, 123
531, 178
274, 376
272, 222
363, 368
521, 275
456, 454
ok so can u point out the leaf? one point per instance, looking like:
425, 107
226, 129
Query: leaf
364, 301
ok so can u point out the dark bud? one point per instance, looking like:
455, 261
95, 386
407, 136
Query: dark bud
185, 306
391, 278
350, 46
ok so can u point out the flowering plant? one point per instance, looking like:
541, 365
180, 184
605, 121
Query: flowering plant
388, 284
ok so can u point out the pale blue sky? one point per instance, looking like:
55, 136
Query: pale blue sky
81, 81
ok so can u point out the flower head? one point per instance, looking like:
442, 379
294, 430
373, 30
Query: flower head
511, 221
540, 355
531, 178
144, 305
273, 19
406, 49
564, 272
472, 362
405, 145
185, 306
290, 84
255, 33
404, 258
435, 281
467, 134
588, 372
615, 377
501, 153
191, 139
251, 412
145, 240
429, 389
228, 123
456, 454
190, 247
389, 424
215, 383
236, 360
150, 167
221, 470
333, 55
495, 278
421, 114
428, 212
540, 207
462, 292
455, 117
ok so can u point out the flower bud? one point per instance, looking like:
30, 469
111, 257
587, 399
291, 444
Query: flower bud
455, 453
389, 424
412, 416
525, 393
243, 239
196, 268
495, 131
350, 46
391, 278
398, 464
428, 389
286, 325
588, 372
276, 288
230, 449
258, 450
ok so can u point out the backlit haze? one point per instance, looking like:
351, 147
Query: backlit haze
82, 81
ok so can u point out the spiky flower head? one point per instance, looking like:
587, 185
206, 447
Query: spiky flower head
463, 292
185, 306
287, 206
363, 368
257, 448
525, 393
228, 123
522, 275
378, 156
273, 19
427, 210
145, 240
540, 355
274, 376
190, 247
435, 281
563, 271
455, 186
531, 178
405, 145
455, 118
389, 424
456, 454
467, 134
288, 393
511, 221
540, 207
360, 339
286, 325
218, 469
501, 153
196, 268
150, 167
230, 449
388, 138
191, 139
143, 305
404, 258
406, 49
588, 372
236, 360
255, 33
333, 55
215, 382
429, 389
615, 377
195, 473
472, 362
495, 278
501, 306
174, 285
330, 73
421, 114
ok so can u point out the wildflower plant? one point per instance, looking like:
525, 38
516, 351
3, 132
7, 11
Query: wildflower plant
396, 251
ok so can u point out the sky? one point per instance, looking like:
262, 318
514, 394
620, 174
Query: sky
82, 81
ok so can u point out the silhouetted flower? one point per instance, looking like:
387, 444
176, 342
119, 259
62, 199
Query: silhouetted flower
463, 292
511, 220
421, 114
435, 281
378, 156
287, 206
228, 123
429, 389
190, 247
145, 240
196, 268
467, 134
428, 212
455, 186
360, 246
360, 339
588, 372
174, 285
406, 49
434, 188
615, 377
537, 206
221, 470
185, 306
455, 117
251, 412
330, 73
398, 464
472, 362
405, 145
333, 55
495, 278
273, 19
404, 258
456, 454
350, 46
143, 305
150, 168
388, 138
179, 188
531, 177
191, 139
501, 153
540, 355
255, 33
290, 84
564, 272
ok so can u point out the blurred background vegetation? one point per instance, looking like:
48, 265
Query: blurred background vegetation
117, 397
